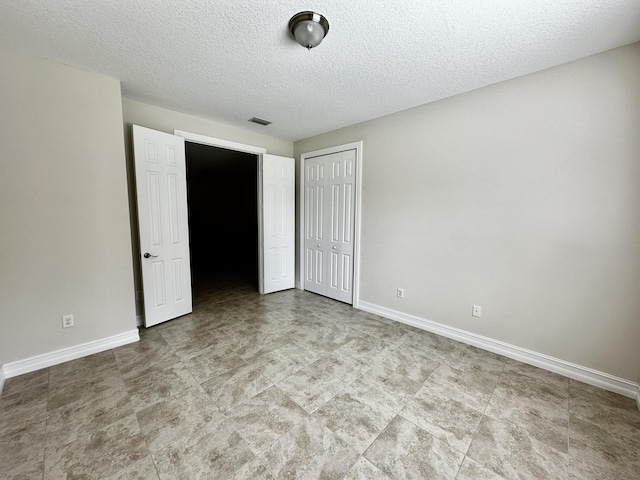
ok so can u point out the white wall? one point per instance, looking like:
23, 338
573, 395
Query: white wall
522, 197
165, 120
64, 223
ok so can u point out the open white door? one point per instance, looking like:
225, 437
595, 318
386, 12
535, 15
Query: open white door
278, 215
161, 185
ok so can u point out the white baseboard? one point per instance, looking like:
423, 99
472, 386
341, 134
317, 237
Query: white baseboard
32, 364
571, 370
139, 320
298, 285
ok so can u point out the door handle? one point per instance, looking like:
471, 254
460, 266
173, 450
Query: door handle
334, 247
148, 255
319, 245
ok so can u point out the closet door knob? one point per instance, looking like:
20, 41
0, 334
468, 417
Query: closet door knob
148, 255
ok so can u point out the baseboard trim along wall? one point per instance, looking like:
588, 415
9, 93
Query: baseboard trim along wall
139, 320
571, 370
32, 364
2, 378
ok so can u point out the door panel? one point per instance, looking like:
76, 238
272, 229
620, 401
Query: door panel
330, 225
278, 213
164, 231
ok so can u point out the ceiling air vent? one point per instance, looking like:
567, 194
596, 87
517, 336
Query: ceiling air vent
260, 121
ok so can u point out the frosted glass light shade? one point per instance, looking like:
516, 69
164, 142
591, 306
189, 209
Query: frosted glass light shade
308, 28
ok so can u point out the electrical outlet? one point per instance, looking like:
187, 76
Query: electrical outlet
476, 311
67, 321
400, 293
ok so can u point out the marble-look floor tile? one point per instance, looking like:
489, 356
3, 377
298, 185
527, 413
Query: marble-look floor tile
207, 364
364, 470
512, 452
533, 405
159, 385
22, 444
309, 450
471, 386
25, 382
149, 354
178, 419
431, 345
252, 470
593, 443
84, 368
617, 414
312, 386
385, 330
472, 470
560, 382
587, 468
263, 419
141, 470
101, 454
358, 420
388, 388
85, 416
187, 341
23, 407
467, 355
24, 471
237, 385
405, 451
218, 453
365, 348
408, 362
443, 417
84, 387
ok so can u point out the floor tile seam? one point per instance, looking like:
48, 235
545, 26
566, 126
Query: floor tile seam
337, 434
521, 427
548, 382
148, 448
444, 439
482, 464
587, 439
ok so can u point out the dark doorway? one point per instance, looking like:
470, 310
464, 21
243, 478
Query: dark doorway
222, 189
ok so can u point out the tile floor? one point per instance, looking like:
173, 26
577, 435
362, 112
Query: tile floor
293, 385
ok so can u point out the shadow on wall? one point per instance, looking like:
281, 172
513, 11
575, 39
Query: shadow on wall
222, 190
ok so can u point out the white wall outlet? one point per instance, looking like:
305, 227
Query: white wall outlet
400, 293
67, 321
476, 311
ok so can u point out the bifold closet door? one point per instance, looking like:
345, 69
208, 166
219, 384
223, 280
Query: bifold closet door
329, 224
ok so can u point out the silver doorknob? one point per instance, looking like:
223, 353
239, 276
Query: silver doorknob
319, 245
148, 255
334, 247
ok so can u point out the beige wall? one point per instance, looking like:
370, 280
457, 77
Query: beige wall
522, 197
165, 120
65, 242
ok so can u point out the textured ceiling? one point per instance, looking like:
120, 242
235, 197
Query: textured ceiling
230, 60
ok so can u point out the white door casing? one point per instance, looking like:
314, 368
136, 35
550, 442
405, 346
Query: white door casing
161, 190
329, 190
278, 214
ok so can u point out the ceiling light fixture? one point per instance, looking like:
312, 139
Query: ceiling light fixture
308, 28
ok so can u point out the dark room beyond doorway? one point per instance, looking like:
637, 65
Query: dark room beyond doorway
222, 187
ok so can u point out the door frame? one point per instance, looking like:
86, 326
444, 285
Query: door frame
357, 212
239, 147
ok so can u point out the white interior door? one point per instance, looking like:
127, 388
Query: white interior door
278, 215
163, 222
330, 224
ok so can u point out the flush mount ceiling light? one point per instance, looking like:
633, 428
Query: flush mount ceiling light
308, 28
